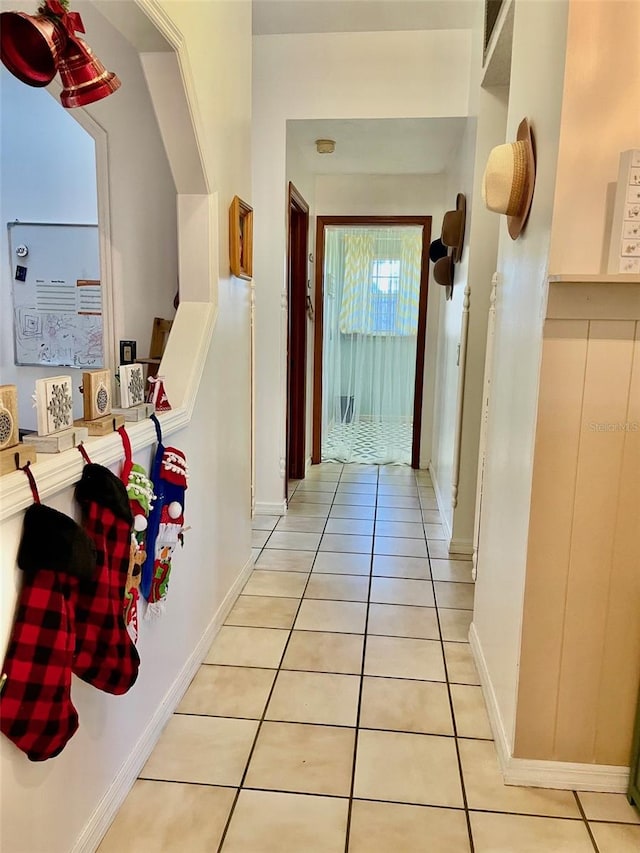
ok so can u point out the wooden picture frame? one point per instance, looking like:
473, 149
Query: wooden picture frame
241, 238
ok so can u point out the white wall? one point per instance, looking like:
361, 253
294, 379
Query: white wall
51, 177
328, 75
47, 807
482, 239
537, 70
395, 195
598, 93
459, 180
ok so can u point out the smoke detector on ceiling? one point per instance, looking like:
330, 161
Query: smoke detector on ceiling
325, 146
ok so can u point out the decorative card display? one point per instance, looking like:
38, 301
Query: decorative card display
96, 392
8, 416
131, 385
54, 404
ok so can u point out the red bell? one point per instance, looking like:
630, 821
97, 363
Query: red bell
84, 77
30, 46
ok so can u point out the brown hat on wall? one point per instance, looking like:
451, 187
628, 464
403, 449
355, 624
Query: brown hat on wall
443, 270
509, 179
453, 227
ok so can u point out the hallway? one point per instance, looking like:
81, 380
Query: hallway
339, 709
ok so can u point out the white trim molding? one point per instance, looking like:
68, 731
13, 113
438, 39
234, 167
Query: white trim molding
462, 549
486, 398
271, 508
567, 776
462, 374
533, 773
441, 501
108, 807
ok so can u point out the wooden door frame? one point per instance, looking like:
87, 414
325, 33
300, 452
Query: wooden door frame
297, 253
322, 222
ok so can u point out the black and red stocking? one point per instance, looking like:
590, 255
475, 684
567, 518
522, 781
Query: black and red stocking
36, 711
105, 655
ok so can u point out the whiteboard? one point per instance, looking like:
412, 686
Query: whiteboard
57, 294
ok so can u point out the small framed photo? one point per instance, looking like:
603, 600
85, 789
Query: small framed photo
241, 238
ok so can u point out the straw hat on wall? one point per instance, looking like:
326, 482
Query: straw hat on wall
509, 179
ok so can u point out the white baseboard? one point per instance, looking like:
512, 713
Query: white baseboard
567, 776
564, 775
440, 500
503, 746
108, 807
461, 548
266, 508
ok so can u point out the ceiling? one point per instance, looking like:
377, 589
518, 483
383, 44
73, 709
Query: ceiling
378, 146
381, 146
340, 16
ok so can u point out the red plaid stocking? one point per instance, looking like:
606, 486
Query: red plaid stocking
36, 711
105, 654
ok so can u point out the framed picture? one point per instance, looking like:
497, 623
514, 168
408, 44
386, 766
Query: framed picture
241, 238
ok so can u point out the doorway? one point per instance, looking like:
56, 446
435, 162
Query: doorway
371, 311
297, 335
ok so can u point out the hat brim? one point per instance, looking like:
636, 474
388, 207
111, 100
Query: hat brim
515, 224
461, 205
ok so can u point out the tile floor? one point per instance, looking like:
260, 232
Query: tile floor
368, 441
338, 710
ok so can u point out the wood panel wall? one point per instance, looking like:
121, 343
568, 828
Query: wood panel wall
580, 654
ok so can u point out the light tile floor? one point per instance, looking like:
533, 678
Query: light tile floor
338, 710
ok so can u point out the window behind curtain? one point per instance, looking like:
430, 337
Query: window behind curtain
381, 280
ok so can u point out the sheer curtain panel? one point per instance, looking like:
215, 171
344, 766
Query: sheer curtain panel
371, 302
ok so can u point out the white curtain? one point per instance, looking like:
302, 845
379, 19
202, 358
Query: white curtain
371, 300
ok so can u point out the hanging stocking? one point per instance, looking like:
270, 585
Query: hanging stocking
166, 523
140, 493
36, 711
105, 654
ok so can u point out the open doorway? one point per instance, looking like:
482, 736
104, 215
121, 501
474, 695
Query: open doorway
297, 334
371, 307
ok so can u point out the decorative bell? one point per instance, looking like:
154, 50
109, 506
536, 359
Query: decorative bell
30, 46
84, 77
